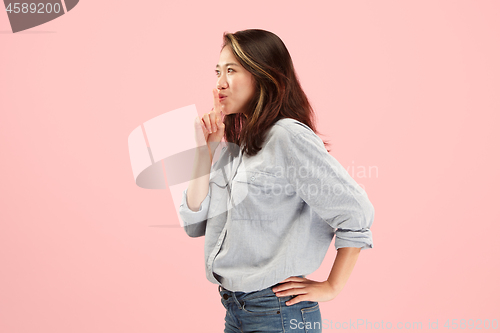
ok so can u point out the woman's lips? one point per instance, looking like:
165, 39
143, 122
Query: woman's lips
222, 98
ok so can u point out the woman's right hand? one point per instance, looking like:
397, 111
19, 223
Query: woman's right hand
210, 127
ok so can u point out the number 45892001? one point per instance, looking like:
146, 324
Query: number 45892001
31, 8
471, 324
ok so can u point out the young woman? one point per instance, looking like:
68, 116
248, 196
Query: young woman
272, 203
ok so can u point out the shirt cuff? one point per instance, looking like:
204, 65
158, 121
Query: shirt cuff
353, 238
190, 217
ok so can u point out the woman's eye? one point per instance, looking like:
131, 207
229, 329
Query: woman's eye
218, 72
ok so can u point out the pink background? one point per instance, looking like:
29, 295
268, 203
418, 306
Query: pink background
407, 88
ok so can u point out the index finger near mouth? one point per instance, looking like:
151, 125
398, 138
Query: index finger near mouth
216, 96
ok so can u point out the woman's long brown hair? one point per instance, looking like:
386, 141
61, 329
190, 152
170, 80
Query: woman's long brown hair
278, 91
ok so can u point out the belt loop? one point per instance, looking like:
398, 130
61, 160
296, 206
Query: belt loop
240, 306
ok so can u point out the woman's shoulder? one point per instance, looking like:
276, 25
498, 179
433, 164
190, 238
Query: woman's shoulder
291, 129
293, 126
293, 134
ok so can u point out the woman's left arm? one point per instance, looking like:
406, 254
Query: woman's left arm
326, 186
315, 291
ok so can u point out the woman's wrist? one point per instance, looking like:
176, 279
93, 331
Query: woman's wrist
336, 287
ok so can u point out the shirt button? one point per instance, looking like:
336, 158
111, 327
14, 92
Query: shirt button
218, 243
253, 178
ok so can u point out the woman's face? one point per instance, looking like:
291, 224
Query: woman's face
234, 83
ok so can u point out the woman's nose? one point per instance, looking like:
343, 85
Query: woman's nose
221, 83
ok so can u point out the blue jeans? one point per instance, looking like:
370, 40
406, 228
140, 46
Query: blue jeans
263, 311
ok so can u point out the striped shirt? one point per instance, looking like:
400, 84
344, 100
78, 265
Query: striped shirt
273, 215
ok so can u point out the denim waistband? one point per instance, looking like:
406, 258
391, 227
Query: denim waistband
240, 295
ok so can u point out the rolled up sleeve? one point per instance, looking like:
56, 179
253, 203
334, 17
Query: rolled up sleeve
323, 183
194, 222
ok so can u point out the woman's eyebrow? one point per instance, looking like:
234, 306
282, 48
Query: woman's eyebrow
228, 64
